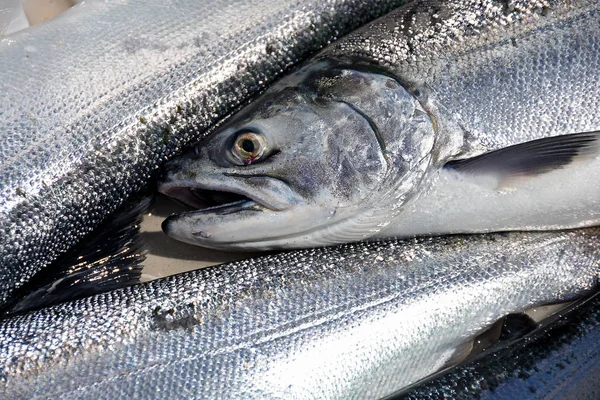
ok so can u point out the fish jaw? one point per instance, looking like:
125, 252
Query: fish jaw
238, 210
245, 225
267, 192
246, 208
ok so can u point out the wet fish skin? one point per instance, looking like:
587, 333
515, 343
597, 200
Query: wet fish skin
95, 100
321, 161
530, 75
360, 320
441, 117
561, 361
491, 41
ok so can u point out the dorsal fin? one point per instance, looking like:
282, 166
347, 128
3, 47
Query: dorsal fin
110, 259
530, 159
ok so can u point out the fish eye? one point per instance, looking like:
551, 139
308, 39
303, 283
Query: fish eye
249, 147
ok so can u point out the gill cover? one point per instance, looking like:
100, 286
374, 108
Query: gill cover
328, 155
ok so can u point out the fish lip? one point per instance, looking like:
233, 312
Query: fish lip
176, 190
223, 209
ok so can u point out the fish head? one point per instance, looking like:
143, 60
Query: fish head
314, 161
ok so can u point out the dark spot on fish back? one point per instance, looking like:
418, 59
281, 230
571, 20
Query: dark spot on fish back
507, 7
166, 134
524, 375
516, 326
172, 319
392, 84
545, 11
532, 389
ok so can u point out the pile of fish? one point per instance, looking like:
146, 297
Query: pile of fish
466, 116
356, 321
457, 117
95, 100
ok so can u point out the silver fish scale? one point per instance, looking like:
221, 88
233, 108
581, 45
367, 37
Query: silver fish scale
560, 361
93, 101
506, 71
356, 321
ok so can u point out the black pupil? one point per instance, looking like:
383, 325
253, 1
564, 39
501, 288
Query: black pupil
248, 145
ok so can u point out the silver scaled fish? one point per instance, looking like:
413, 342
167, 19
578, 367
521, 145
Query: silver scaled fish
361, 320
92, 102
446, 117
561, 360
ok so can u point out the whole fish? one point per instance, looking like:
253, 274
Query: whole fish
356, 321
94, 100
560, 361
442, 117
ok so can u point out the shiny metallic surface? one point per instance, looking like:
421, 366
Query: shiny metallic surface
356, 321
93, 101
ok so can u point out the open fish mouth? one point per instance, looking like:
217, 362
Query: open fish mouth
228, 191
207, 200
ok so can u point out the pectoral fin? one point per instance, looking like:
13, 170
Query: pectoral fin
509, 164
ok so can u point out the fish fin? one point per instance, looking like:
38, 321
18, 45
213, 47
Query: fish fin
110, 260
510, 164
460, 353
487, 338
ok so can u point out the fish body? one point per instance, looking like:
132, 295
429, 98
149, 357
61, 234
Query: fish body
560, 361
95, 100
438, 118
356, 321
